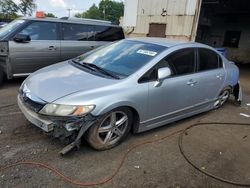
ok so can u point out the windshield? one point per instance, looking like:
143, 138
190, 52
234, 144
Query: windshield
10, 27
122, 58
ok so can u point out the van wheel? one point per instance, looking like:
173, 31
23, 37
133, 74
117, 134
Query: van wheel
223, 98
110, 130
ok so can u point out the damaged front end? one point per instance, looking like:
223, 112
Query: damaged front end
71, 130
68, 129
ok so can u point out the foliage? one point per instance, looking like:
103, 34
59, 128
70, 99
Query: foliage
27, 7
106, 10
9, 9
92, 13
111, 10
51, 15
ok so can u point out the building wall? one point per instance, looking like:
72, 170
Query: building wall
178, 15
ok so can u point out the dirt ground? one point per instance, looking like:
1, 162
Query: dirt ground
222, 150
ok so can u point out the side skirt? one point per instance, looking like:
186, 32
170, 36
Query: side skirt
147, 125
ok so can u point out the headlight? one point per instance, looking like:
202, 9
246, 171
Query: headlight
66, 110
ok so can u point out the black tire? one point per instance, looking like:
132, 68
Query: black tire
222, 98
98, 135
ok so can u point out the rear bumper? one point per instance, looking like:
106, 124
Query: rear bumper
34, 118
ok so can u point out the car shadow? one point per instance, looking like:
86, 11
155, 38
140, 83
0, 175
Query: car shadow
15, 82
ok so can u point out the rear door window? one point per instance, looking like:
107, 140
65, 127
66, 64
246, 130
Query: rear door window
78, 32
181, 62
107, 33
208, 60
41, 30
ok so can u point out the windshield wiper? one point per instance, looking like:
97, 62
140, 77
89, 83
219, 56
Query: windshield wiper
94, 67
101, 70
86, 65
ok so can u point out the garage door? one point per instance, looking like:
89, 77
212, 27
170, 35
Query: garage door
157, 30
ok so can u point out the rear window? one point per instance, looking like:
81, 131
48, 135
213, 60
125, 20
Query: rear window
182, 61
208, 59
106, 33
83, 32
78, 32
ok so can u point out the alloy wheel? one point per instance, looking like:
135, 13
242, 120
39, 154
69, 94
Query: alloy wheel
113, 127
223, 97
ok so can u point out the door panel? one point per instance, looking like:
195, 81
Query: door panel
173, 96
179, 92
77, 39
29, 57
71, 49
210, 84
212, 74
41, 51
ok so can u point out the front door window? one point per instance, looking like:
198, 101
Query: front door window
41, 31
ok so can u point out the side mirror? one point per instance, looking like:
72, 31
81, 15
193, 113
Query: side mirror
22, 38
163, 73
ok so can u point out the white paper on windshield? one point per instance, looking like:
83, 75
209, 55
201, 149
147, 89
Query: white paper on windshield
147, 52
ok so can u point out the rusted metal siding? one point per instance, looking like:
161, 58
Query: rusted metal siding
172, 7
176, 25
178, 15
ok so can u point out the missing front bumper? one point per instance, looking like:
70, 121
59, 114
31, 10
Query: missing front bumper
44, 124
71, 130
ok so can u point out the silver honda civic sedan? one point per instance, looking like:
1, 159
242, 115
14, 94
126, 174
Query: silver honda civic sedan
131, 85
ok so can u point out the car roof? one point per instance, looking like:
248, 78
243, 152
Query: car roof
167, 42
73, 20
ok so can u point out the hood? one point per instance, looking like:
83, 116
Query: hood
62, 79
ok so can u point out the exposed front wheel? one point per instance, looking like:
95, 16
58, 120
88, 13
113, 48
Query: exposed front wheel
222, 99
110, 130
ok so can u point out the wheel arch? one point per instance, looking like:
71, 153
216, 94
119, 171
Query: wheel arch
131, 106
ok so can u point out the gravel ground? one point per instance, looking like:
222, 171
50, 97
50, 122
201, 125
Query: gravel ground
222, 150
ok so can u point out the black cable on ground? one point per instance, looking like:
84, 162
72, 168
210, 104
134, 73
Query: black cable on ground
7, 105
180, 144
11, 113
181, 132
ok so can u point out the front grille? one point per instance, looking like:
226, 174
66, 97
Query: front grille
32, 105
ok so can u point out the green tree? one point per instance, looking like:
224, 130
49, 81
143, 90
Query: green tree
51, 15
27, 7
92, 13
8, 9
106, 10
111, 10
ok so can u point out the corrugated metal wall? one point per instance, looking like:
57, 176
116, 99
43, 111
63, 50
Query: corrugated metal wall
173, 7
178, 15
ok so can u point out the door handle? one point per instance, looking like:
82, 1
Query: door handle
51, 48
219, 76
191, 82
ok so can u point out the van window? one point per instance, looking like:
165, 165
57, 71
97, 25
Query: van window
41, 31
106, 33
78, 32
181, 62
207, 59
